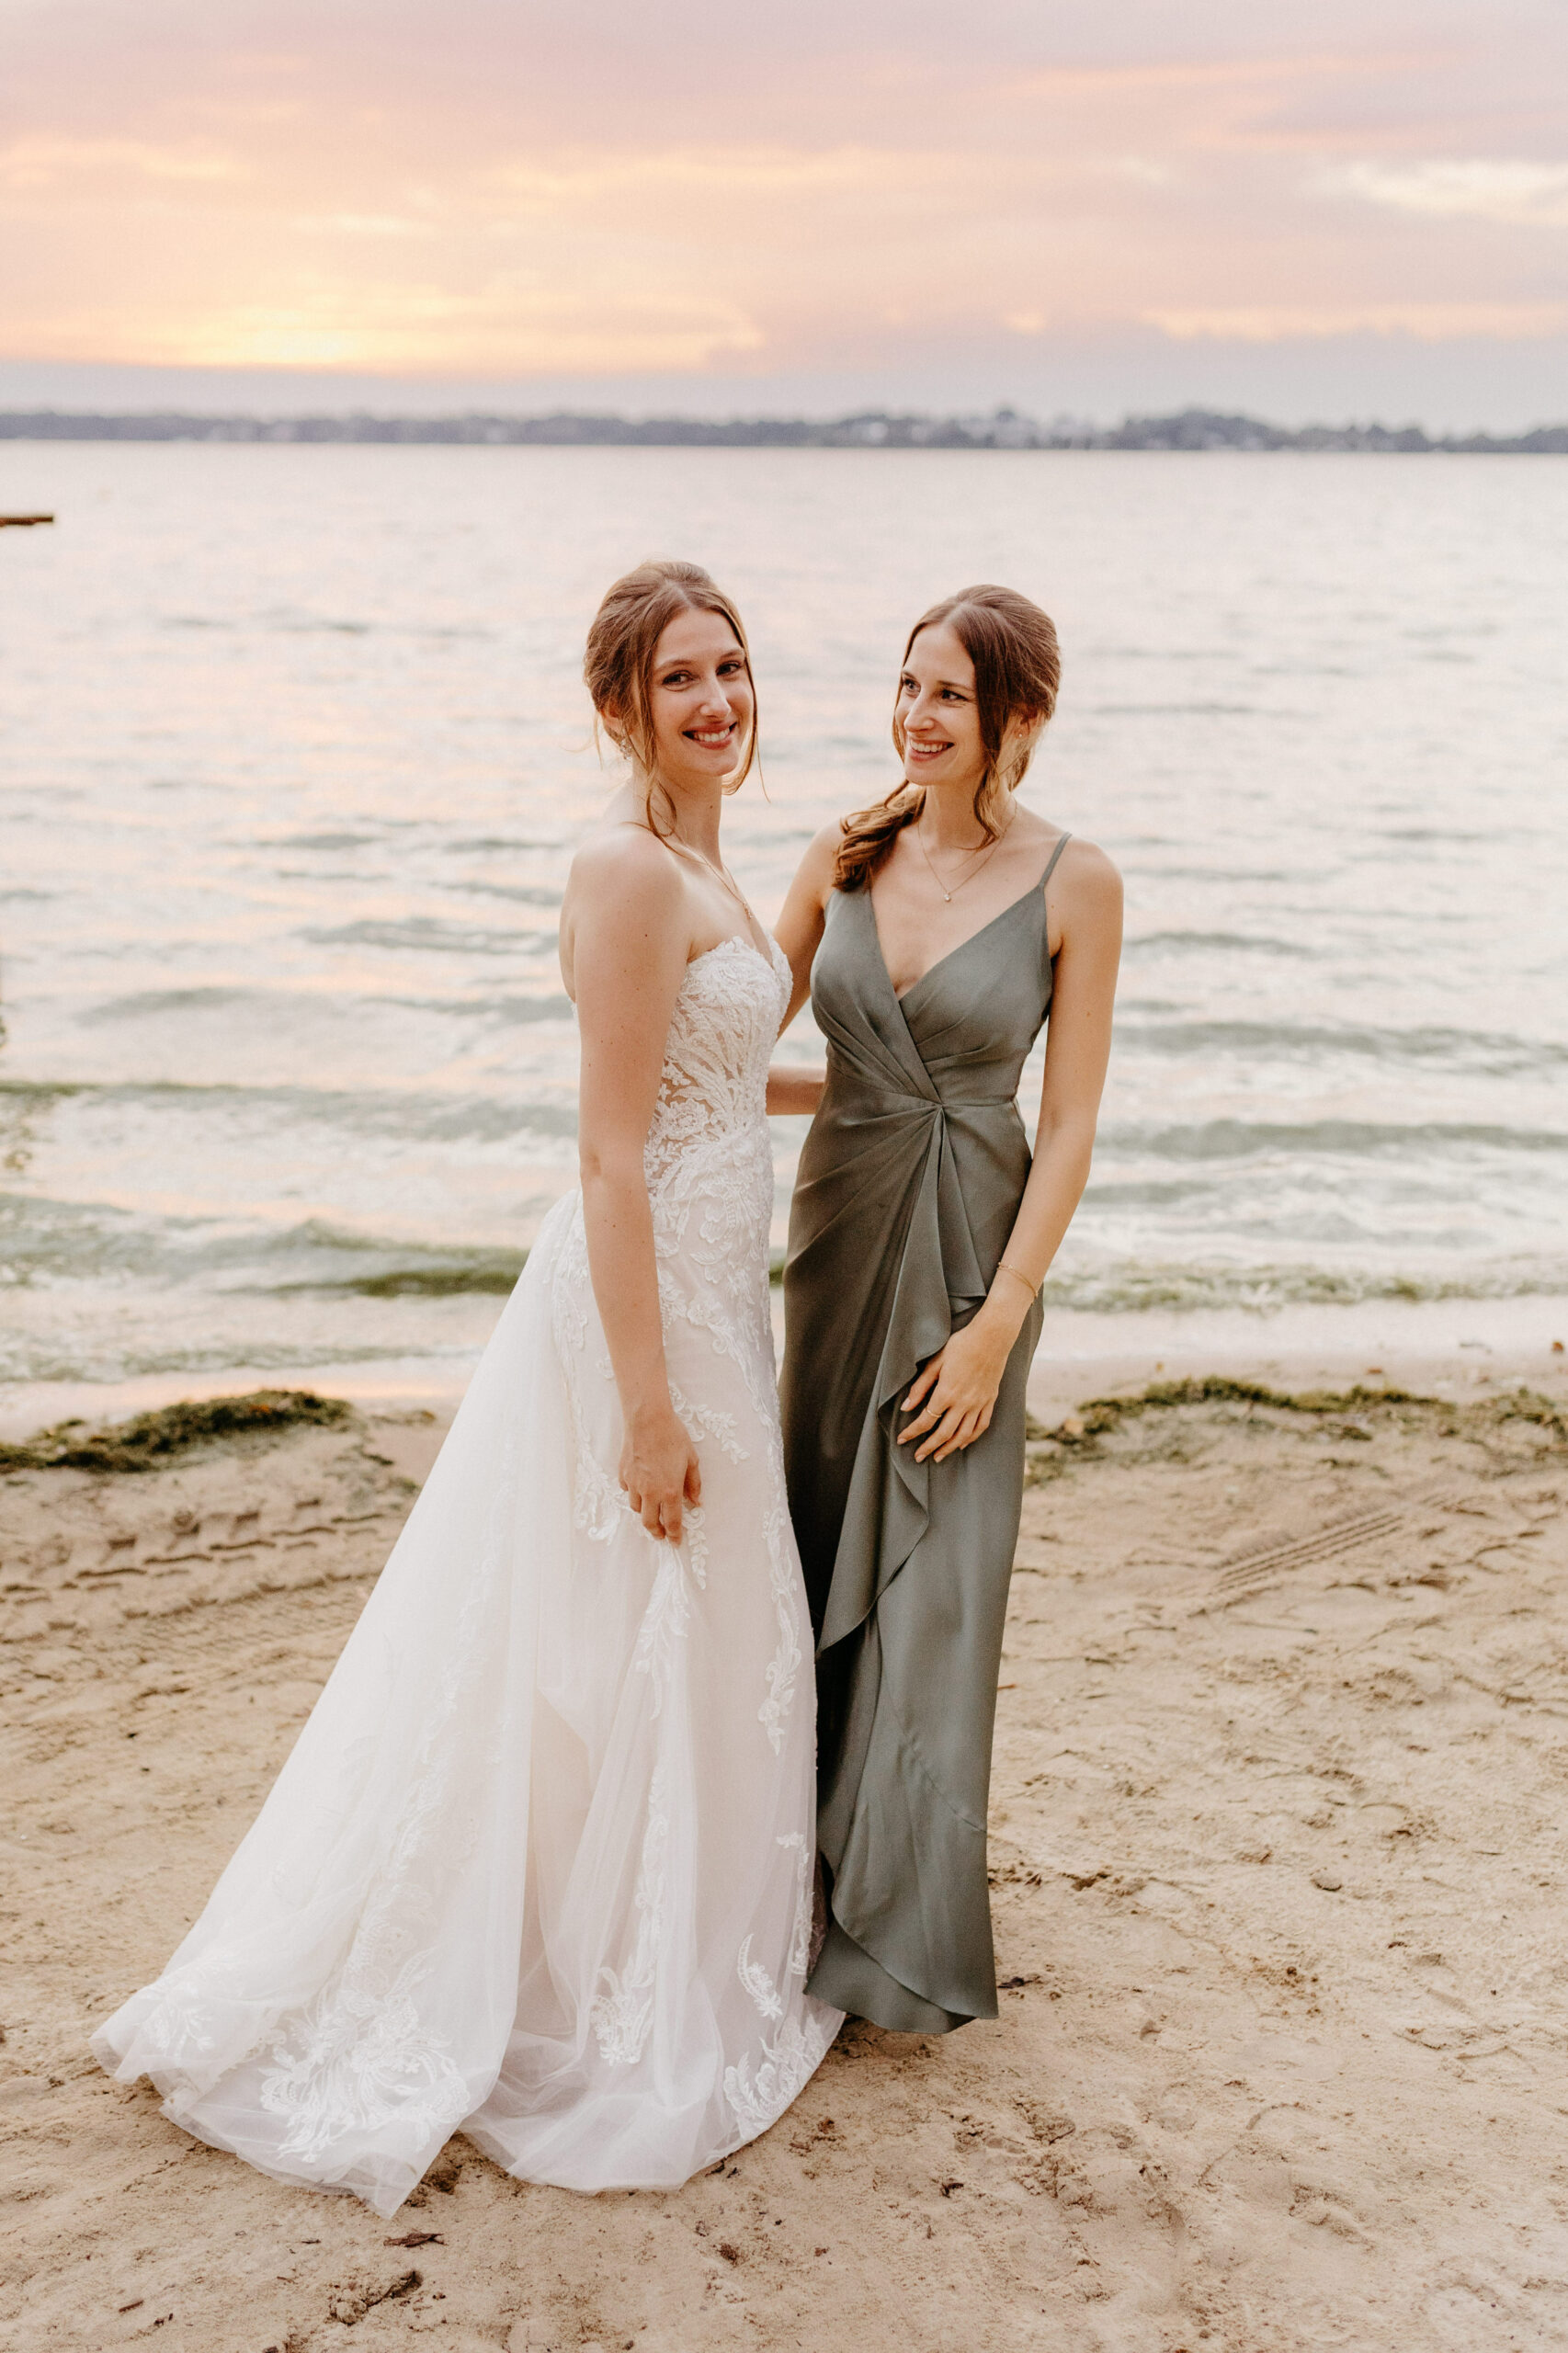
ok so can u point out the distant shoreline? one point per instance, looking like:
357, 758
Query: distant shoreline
1005, 428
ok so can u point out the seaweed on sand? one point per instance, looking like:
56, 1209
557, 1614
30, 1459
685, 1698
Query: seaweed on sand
1077, 1435
149, 1439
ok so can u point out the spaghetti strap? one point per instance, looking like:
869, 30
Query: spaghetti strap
1051, 866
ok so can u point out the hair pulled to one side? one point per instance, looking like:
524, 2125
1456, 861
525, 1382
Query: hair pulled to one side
1017, 670
623, 641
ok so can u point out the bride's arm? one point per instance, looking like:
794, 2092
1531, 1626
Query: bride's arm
798, 933
626, 929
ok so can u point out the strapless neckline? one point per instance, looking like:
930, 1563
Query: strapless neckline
739, 940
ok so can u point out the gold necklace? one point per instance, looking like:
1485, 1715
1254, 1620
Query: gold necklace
717, 867
985, 857
675, 847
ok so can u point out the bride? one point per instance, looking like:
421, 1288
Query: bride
539, 1866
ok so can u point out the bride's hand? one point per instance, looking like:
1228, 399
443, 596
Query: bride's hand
659, 1471
958, 1388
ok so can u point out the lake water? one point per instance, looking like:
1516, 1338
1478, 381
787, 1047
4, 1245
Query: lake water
296, 755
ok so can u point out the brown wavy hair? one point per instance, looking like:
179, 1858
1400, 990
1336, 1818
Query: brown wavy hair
623, 641
1017, 670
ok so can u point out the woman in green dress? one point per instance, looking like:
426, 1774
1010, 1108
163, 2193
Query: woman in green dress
933, 933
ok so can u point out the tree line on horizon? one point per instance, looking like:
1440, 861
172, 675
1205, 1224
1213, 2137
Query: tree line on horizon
1004, 428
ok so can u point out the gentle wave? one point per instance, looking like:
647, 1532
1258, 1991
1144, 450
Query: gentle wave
53, 1241
526, 894
148, 1004
322, 841
296, 624
1126, 1290
1180, 711
524, 1006
429, 935
515, 1007
424, 1115
412, 1115
61, 1359
210, 1331
1484, 1053
1208, 943
1233, 1140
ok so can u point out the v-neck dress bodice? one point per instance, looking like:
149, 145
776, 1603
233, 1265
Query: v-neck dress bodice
906, 1193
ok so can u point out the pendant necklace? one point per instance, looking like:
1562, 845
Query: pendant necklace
722, 874
986, 856
717, 867
728, 880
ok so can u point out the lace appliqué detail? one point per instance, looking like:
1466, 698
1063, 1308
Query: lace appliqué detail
784, 1663
622, 2014
785, 2066
800, 1943
752, 1974
709, 1086
707, 1421
757, 1982
597, 1500
360, 2060
668, 1614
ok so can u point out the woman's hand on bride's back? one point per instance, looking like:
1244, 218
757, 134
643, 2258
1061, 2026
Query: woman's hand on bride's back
659, 1470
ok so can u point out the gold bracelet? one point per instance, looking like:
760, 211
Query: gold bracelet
1018, 1276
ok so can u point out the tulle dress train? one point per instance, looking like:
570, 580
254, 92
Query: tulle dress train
540, 1863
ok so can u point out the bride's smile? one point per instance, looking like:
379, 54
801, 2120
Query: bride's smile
701, 701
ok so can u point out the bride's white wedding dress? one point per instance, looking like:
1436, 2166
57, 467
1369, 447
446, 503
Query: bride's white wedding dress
541, 1864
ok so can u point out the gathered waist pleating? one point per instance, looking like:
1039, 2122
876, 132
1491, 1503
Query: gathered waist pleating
847, 1086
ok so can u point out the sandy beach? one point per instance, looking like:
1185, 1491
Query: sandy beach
1282, 2060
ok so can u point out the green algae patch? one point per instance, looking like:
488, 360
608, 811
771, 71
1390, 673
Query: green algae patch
148, 1440
431, 1282
1352, 1414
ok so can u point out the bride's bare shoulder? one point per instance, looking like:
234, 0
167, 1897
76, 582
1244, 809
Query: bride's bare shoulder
625, 895
623, 867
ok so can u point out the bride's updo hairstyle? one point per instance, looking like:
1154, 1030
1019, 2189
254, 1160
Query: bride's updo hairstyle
618, 663
1017, 669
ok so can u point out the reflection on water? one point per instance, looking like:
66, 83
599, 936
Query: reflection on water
296, 755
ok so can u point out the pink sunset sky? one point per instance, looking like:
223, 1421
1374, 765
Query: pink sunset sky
1089, 205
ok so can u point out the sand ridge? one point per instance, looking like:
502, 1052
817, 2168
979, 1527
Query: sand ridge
1282, 1747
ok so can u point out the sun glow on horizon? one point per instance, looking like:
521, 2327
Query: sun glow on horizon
424, 205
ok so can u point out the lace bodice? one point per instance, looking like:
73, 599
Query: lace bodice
713, 1085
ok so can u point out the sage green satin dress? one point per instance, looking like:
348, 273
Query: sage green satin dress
908, 1186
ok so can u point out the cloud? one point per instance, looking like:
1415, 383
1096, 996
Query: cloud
1515, 193
473, 188
76, 165
1427, 322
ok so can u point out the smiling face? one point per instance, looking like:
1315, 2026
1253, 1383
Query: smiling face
700, 704
937, 715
